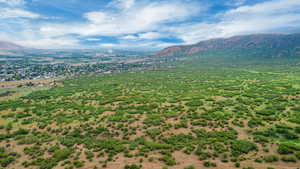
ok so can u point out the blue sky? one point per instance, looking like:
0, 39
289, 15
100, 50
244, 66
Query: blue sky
143, 24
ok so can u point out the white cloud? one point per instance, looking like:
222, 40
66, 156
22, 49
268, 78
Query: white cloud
17, 13
50, 43
269, 7
146, 36
143, 18
160, 45
13, 2
266, 17
131, 21
94, 39
151, 35
29, 36
235, 2
137, 45
98, 17
138, 24
129, 37
122, 4
107, 45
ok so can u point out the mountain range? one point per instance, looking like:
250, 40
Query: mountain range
277, 45
4, 45
268, 45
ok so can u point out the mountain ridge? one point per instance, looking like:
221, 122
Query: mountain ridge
5, 45
281, 43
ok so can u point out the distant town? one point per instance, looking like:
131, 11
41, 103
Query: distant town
41, 64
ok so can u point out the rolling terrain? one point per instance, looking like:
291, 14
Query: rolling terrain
222, 107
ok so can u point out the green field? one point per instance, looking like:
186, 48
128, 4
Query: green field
202, 114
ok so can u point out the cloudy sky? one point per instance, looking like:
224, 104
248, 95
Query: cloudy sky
144, 24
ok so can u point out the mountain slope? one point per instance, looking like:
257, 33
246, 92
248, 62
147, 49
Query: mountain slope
277, 44
9, 46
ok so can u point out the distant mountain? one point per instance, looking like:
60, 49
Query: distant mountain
9, 46
276, 44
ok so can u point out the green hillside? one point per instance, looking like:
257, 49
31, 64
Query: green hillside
205, 113
256, 46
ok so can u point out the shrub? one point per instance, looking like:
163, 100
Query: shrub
195, 103
203, 155
21, 132
6, 161
89, 155
266, 112
289, 159
34, 151
62, 154
78, 164
168, 160
290, 135
190, 167
133, 166
153, 120
209, 164
153, 132
297, 155
255, 122
248, 168
270, 158
43, 163
284, 149
243, 147
297, 129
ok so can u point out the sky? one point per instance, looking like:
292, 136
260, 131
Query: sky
140, 24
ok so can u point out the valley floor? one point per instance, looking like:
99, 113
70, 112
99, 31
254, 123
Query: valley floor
183, 118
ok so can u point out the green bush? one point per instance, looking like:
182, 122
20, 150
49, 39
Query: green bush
266, 112
153, 132
284, 149
243, 147
297, 155
209, 164
132, 166
62, 154
289, 159
190, 167
270, 158
168, 160
203, 155
5, 161
34, 151
78, 164
194, 103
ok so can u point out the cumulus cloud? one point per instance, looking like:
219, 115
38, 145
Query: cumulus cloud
151, 35
269, 7
144, 18
94, 39
146, 23
107, 45
13, 2
51, 43
17, 13
129, 37
98, 17
236, 2
266, 17
122, 4
137, 45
